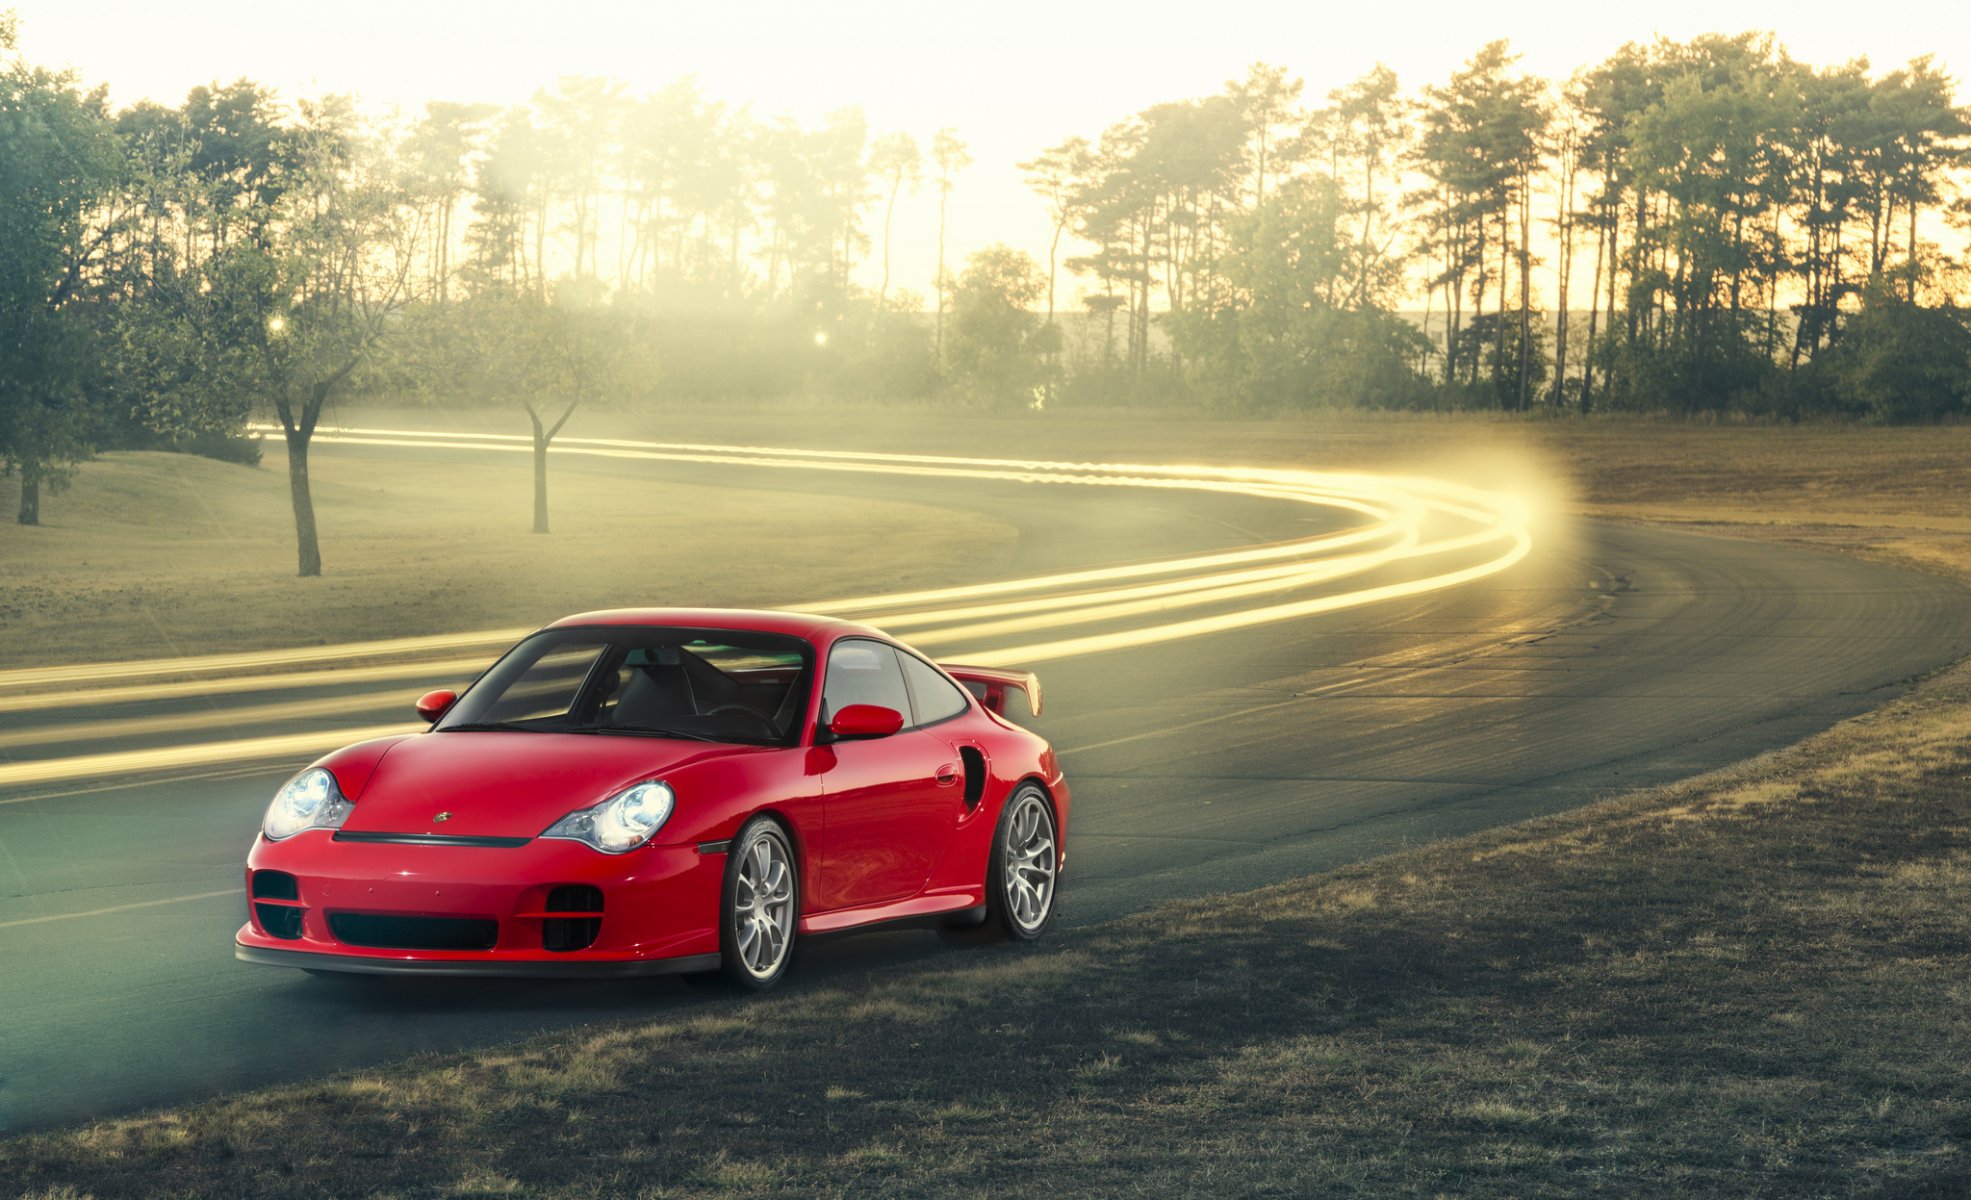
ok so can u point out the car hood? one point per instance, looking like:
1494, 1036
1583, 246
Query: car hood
499, 784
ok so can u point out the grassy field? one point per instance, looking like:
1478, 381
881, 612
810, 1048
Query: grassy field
155, 555
1756, 983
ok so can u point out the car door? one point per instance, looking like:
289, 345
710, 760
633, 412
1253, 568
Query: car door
884, 810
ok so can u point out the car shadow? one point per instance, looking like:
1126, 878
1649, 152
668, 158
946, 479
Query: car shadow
819, 962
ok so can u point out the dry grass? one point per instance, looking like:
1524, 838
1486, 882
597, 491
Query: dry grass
1748, 984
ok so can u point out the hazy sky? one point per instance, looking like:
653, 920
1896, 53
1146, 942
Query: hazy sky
1012, 77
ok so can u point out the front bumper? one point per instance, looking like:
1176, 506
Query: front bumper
315, 960
658, 910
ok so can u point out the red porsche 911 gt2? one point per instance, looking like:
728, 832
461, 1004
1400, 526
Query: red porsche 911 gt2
660, 790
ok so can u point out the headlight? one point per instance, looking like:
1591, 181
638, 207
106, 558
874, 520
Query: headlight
309, 801
621, 823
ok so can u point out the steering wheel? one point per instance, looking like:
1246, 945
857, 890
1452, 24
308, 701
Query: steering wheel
747, 710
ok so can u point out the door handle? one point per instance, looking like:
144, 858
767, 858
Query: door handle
947, 775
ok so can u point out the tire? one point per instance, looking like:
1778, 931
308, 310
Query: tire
1023, 873
759, 908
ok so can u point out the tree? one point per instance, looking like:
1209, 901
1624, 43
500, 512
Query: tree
578, 120
544, 355
1154, 205
438, 157
1565, 149
1897, 361
308, 300
1700, 159
1060, 175
58, 161
842, 169
510, 208
1266, 98
1607, 97
1913, 137
1294, 331
1363, 131
688, 179
951, 157
237, 157
1480, 147
896, 160
998, 345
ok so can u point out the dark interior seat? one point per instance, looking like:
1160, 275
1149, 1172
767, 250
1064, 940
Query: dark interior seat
653, 695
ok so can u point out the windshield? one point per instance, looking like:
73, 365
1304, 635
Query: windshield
714, 685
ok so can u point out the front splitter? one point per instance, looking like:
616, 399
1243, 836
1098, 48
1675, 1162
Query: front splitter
309, 960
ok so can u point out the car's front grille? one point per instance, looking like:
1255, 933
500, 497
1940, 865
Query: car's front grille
579, 922
414, 933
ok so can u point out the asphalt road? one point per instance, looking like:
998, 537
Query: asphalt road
1613, 657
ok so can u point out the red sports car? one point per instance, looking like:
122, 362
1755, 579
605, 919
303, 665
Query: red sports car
647, 791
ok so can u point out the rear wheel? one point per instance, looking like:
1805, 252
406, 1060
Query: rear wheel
1021, 874
761, 904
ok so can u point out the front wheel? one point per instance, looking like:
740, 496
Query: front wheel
1024, 868
760, 906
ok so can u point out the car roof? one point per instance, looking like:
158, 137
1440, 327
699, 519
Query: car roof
805, 625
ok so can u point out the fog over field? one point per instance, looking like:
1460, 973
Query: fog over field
1708, 223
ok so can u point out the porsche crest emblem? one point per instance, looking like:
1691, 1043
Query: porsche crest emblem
441, 818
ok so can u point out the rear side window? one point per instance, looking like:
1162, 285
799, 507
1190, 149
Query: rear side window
864, 672
937, 698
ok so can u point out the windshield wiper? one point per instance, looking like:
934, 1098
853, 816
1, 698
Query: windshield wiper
646, 731
490, 727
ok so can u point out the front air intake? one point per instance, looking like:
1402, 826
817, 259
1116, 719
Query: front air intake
573, 918
277, 905
414, 933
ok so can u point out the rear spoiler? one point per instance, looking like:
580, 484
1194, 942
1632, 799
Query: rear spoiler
989, 684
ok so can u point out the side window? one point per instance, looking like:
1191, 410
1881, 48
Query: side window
938, 699
864, 672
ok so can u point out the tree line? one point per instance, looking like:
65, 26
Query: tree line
1692, 227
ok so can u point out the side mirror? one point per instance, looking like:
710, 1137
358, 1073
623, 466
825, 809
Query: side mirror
865, 721
433, 705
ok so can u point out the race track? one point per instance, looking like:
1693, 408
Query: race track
1424, 666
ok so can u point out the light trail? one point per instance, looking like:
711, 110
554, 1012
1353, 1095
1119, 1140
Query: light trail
119, 908
292, 710
205, 664
1439, 534
1109, 608
198, 754
1129, 639
461, 669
